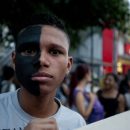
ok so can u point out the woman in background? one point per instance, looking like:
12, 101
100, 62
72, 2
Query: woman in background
86, 103
110, 97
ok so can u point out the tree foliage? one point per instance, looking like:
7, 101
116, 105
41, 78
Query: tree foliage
77, 14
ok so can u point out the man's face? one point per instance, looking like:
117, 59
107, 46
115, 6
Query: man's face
42, 60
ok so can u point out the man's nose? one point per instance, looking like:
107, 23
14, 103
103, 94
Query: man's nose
41, 60
44, 59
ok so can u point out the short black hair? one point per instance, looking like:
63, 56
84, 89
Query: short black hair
46, 18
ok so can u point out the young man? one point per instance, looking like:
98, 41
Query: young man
41, 62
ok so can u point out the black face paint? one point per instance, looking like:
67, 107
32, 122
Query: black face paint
28, 39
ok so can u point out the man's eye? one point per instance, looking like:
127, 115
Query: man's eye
55, 52
28, 52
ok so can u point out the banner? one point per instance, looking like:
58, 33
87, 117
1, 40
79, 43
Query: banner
117, 122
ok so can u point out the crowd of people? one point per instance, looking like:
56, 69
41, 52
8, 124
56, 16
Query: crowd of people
112, 96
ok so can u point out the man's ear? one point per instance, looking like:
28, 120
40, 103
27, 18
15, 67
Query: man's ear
70, 63
13, 59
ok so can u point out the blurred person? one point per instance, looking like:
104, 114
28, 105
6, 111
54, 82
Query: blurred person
86, 103
127, 100
121, 77
16, 82
88, 87
125, 89
110, 97
1, 79
7, 84
63, 92
64, 87
124, 85
41, 62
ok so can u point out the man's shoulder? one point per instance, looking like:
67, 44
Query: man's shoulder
5, 101
67, 112
71, 113
69, 118
5, 97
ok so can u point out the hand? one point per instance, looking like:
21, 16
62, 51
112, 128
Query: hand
42, 124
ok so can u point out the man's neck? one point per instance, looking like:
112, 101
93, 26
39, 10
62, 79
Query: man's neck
40, 107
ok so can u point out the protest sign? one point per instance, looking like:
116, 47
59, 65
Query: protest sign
118, 122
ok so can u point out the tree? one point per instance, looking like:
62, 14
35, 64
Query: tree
78, 14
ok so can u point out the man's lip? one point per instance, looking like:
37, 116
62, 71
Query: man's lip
42, 74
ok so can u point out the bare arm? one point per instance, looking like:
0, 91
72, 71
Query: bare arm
83, 110
121, 106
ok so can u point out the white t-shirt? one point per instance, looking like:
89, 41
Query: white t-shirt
13, 117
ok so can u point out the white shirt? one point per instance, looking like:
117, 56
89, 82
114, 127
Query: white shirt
13, 117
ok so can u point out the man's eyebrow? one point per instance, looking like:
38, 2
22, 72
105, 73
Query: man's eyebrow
56, 46
28, 45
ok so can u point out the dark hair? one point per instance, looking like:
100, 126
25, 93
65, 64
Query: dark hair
8, 72
113, 75
44, 19
76, 77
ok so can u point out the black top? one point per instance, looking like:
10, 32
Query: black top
110, 104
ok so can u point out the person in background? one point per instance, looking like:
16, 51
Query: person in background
86, 103
110, 97
7, 84
63, 92
124, 85
124, 88
127, 100
41, 62
121, 77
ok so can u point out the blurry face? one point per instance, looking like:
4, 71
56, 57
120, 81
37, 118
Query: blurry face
42, 59
109, 82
